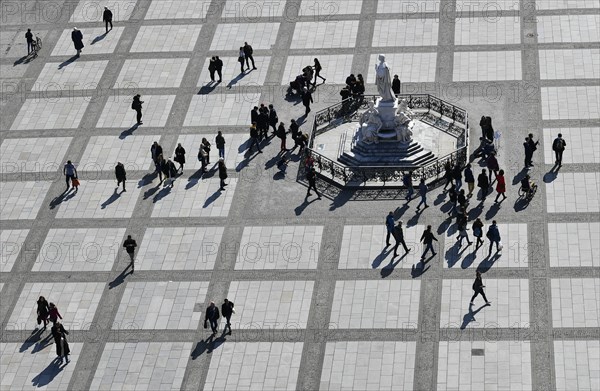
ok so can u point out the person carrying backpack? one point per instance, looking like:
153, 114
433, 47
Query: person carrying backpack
558, 146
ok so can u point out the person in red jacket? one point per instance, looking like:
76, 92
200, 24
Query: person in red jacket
54, 314
500, 186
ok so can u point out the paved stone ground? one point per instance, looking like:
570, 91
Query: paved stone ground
320, 302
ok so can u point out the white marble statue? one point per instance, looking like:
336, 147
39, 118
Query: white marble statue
403, 127
403, 108
370, 123
384, 80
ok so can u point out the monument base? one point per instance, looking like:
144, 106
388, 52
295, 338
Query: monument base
387, 112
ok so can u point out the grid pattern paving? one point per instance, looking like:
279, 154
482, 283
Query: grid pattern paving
44, 154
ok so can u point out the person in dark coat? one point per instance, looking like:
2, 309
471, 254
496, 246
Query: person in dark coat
254, 115
470, 179
350, 80
558, 146
107, 17
447, 174
254, 136
478, 289
160, 166
389, 227
212, 316
282, 135
43, 309
220, 143
307, 99
248, 51
212, 68
77, 37
318, 68
407, 182
493, 235
222, 173
478, 231
227, 310
483, 183
396, 85
528, 153
206, 146
423, 189
273, 118
399, 237
53, 314
29, 39
219, 68
170, 171
311, 176
137, 106
60, 339
427, 238
120, 174
486, 128
129, 244
180, 156
493, 166
263, 122
457, 176
295, 132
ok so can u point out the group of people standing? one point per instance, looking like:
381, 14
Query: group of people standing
48, 313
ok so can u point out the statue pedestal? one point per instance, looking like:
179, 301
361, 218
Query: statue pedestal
387, 112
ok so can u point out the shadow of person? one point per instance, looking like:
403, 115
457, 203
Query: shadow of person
237, 78
23, 60
212, 198
415, 219
165, 191
521, 204
476, 211
67, 62
43, 344
48, 374
519, 176
452, 255
469, 259
56, 201
470, 316
208, 88
551, 175
147, 179
389, 268
487, 263
114, 196
419, 269
440, 198
339, 200
493, 211
444, 225
126, 133
120, 278
98, 38
300, 208
381, 256
194, 179
31, 340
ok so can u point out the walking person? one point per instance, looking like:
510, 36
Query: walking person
457, 176
219, 68
493, 166
399, 237
453, 196
295, 132
500, 186
558, 146
307, 99
389, 225
107, 18
483, 183
227, 310
70, 173
478, 231
528, 153
120, 174
170, 172
77, 38
254, 134
263, 122
396, 85
478, 289
462, 200
427, 239
407, 182
423, 193
136, 105
273, 118
160, 167
222, 173
212, 316
129, 244
53, 314
318, 68
180, 156
220, 143
532, 145
212, 68
470, 179
43, 310
447, 174
206, 146
463, 229
202, 157
248, 51
241, 59
29, 39
282, 134
311, 176
60, 340
493, 235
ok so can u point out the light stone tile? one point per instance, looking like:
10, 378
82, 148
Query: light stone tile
270, 304
232, 77
98, 200
194, 198
78, 76
11, 244
471, 30
406, 32
117, 111
166, 38
12, 42
91, 10
483, 66
367, 365
570, 64
152, 73
335, 67
79, 249
583, 145
160, 305
509, 309
321, 10
574, 244
571, 102
565, 4
279, 247
363, 247
338, 34
41, 370
573, 193
179, 248
24, 155
177, 9
487, 6
505, 365
575, 302
76, 302
356, 304
142, 366
55, 113
568, 28
22, 200
234, 150
103, 152
268, 366
407, 6
94, 40
250, 11
410, 67
221, 109
576, 365
233, 36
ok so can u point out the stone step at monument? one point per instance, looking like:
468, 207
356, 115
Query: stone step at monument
357, 159
387, 149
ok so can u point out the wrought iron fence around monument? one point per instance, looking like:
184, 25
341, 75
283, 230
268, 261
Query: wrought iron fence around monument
434, 111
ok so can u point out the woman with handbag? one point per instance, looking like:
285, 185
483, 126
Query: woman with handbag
180, 156
478, 231
42, 311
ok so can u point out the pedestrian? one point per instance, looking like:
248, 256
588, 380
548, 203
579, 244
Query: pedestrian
212, 68
558, 146
528, 153
427, 239
303, 142
254, 115
463, 230
493, 235
282, 134
462, 200
222, 173
160, 166
241, 59
129, 244
407, 182
311, 176
202, 158
399, 237
70, 173
453, 196
120, 175
318, 68
273, 118
396, 85
60, 339
212, 316
170, 172
220, 143
180, 156
295, 132
227, 310
77, 38
487, 130
307, 99
532, 145
248, 51
42, 311
478, 289
263, 122
53, 314
423, 193
254, 138
478, 231
137, 106
107, 17
447, 174
350, 80
500, 186
206, 146
492, 166
156, 150
457, 176
29, 39
219, 68
483, 183
470, 179
389, 225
